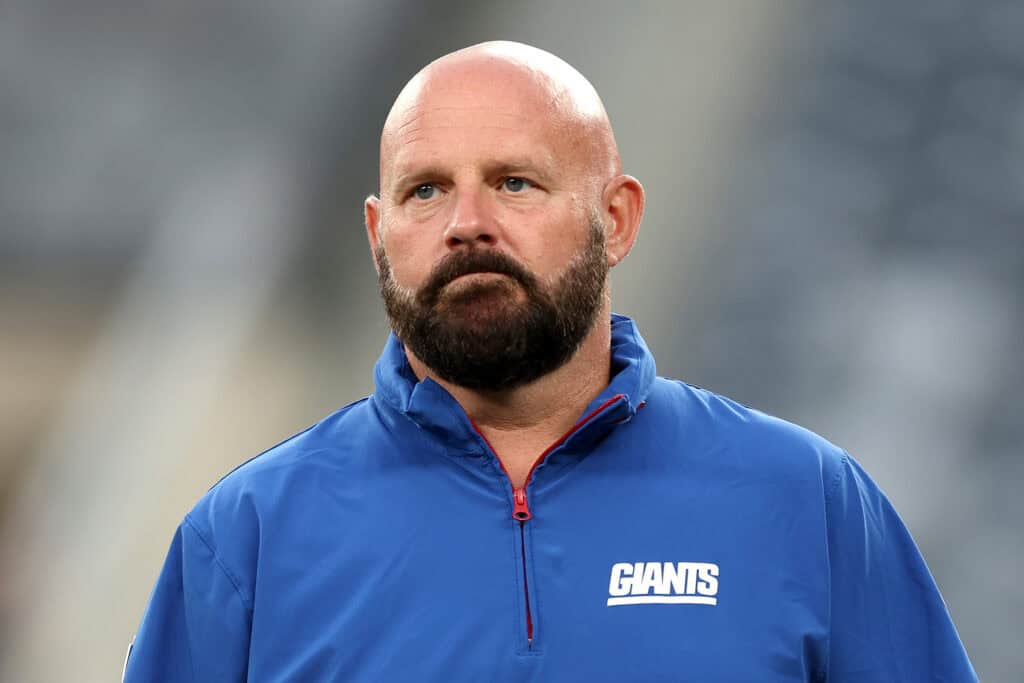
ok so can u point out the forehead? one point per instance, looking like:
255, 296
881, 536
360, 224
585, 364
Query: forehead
470, 119
469, 109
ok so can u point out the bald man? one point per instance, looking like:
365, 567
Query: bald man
522, 498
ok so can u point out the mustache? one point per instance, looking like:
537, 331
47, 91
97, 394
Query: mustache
469, 262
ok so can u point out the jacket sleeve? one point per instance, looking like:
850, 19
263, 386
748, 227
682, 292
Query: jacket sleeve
197, 624
888, 621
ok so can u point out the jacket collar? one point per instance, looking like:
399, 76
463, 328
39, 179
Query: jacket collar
434, 410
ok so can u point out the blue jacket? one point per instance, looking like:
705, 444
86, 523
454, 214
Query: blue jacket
671, 535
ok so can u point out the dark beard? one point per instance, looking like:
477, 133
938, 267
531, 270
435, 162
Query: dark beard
486, 335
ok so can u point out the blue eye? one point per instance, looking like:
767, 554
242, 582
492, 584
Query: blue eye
425, 191
517, 184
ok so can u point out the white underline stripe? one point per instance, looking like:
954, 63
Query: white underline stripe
663, 600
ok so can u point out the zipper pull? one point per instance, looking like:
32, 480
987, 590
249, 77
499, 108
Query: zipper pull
521, 511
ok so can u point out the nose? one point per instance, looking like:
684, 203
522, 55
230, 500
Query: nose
470, 223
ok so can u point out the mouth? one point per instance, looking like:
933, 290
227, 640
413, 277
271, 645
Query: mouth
478, 288
480, 277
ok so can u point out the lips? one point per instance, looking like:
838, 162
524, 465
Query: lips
472, 285
482, 276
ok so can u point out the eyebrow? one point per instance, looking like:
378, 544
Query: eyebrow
418, 176
492, 168
541, 169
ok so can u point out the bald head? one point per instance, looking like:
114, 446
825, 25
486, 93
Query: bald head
517, 85
504, 147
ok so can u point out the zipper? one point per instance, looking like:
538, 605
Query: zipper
526, 588
521, 512
520, 505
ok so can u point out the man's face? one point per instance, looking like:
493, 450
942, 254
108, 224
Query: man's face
490, 246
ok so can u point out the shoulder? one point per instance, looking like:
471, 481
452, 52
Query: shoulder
273, 491
277, 475
730, 434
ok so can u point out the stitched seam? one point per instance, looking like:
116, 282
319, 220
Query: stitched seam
234, 582
840, 475
636, 343
836, 481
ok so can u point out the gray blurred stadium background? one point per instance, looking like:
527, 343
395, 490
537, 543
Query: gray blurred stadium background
834, 235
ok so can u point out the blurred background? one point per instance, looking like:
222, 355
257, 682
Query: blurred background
833, 235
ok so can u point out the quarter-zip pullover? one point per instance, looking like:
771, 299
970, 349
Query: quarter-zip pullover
694, 539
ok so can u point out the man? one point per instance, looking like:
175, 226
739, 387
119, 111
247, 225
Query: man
521, 498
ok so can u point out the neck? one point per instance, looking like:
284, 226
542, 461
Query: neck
521, 423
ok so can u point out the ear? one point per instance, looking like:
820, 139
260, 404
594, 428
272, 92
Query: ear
371, 214
623, 202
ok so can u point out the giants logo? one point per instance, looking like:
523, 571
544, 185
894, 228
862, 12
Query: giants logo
663, 583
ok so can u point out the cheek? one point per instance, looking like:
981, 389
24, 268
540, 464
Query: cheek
563, 243
409, 258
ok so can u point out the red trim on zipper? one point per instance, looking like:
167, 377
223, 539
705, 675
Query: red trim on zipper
521, 508
481, 435
575, 428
